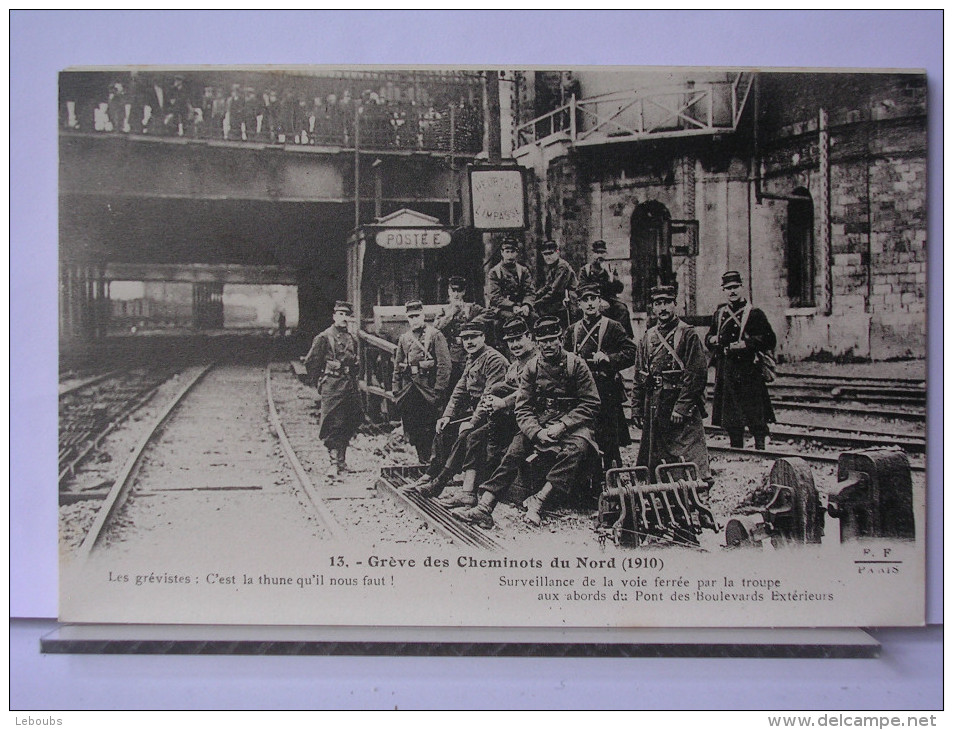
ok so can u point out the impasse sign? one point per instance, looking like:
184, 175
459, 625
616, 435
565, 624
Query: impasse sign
498, 198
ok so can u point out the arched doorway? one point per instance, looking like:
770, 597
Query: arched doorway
650, 251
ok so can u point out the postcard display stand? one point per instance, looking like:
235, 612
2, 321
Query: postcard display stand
835, 643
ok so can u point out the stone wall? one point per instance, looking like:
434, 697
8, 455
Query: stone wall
877, 219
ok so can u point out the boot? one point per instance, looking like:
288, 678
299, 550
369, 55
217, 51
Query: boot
426, 486
433, 488
534, 505
466, 496
736, 438
332, 471
341, 460
481, 514
759, 441
425, 481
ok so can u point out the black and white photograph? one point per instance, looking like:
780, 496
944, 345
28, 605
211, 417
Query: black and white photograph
492, 346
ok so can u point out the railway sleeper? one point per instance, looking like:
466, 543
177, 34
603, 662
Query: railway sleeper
873, 498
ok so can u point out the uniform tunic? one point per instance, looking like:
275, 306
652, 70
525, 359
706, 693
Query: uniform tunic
480, 376
605, 335
620, 313
595, 273
559, 391
333, 359
508, 285
449, 322
558, 281
421, 376
663, 385
741, 395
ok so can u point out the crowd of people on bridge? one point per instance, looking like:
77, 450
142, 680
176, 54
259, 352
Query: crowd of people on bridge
529, 389
294, 111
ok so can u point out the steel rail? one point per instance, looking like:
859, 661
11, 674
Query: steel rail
788, 454
74, 461
849, 438
324, 513
853, 379
437, 516
120, 489
83, 383
851, 410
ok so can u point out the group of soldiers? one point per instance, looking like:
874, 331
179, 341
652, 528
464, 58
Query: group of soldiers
550, 412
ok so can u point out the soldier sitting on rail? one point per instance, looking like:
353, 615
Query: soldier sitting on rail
421, 374
480, 448
556, 405
668, 401
452, 317
333, 360
452, 449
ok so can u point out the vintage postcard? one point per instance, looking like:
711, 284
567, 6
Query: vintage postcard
525, 347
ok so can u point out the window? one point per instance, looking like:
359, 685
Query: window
799, 251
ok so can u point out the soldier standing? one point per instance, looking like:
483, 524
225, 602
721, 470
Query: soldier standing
333, 359
556, 405
452, 317
739, 332
669, 394
421, 375
596, 271
485, 368
555, 297
615, 308
603, 344
509, 288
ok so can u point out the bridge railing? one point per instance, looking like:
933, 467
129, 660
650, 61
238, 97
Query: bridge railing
457, 128
631, 114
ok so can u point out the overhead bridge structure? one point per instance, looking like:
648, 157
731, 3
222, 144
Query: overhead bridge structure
135, 207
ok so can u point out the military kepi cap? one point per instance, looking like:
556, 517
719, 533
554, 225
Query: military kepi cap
548, 246
593, 289
547, 327
458, 282
731, 277
514, 329
415, 307
599, 247
342, 306
662, 292
473, 327
510, 242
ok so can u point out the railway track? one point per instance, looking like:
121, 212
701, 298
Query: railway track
119, 492
200, 459
92, 408
387, 481
837, 437
845, 393
775, 454
335, 504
